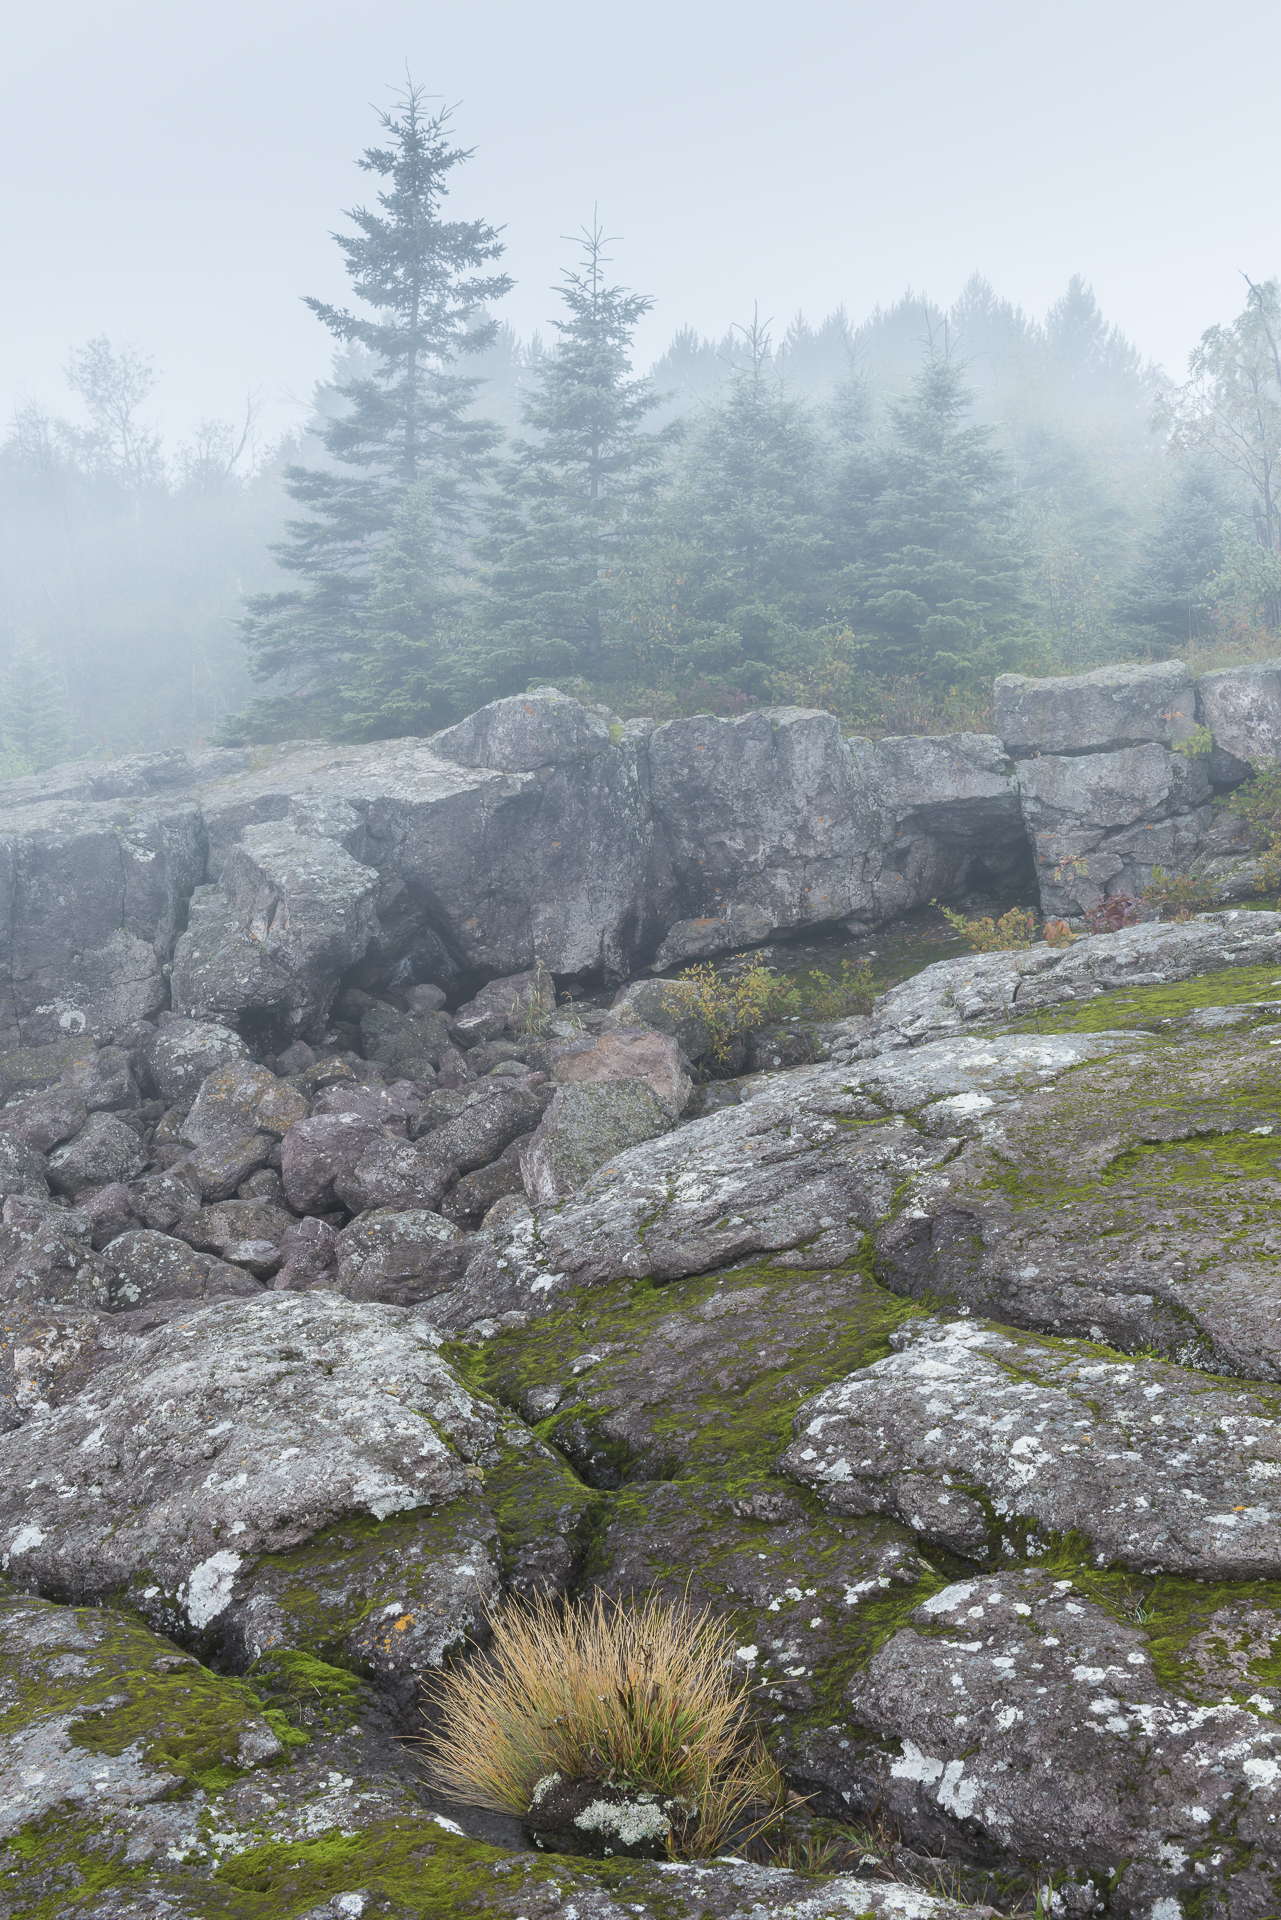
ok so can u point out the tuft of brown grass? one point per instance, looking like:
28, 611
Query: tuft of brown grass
641, 1694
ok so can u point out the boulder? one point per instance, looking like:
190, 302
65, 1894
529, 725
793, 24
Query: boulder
1242, 708
400, 1256
44, 1120
47, 1258
1100, 712
105, 1149
144, 1266
588, 1123
238, 1429
626, 1053
392, 1173
319, 1151
105, 1081
184, 1054
23, 1169
242, 1098
543, 728
517, 1001
162, 1200
220, 1164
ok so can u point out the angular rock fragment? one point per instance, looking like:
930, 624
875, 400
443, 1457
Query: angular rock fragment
587, 1124
44, 1120
240, 1099
184, 1054
105, 1149
23, 1170
518, 1000
144, 1266
319, 1151
47, 1258
626, 1053
402, 1257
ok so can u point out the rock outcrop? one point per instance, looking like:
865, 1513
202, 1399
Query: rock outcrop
936, 1350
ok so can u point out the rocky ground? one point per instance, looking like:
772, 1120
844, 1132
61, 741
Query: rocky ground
938, 1348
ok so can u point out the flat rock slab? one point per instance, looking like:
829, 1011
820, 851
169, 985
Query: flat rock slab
234, 1430
792, 1175
1021, 1716
986, 987
1132, 1201
97, 1713
1159, 1468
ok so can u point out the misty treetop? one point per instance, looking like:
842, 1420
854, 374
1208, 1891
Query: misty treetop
872, 516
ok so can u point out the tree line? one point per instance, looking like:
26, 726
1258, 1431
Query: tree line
870, 519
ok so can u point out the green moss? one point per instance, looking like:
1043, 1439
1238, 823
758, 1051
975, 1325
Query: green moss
1149, 1007
1204, 1159
131, 1689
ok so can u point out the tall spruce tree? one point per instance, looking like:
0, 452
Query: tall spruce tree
572, 504
405, 423
933, 580
745, 529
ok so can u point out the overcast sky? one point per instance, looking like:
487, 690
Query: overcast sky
173, 171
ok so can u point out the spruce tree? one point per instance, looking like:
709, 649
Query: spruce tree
406, 421
748, 547
570, 505
1169, 592
933, 579
33, 717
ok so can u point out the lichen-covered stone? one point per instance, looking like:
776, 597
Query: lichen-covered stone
1155, 1466
586, 1124
234, 1430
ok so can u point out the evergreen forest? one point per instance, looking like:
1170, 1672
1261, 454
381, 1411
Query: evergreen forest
873, 516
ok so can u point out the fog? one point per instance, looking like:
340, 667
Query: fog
174, 173
1064, 202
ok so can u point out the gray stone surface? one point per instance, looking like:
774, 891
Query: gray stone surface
1160, 1471
93, 892
786, 1176
1100, 822
1098, 712
242, 1098
985, 987
105, 1149
543, 728
1242, 708
626, 1053
237, 1429
588, 1123
144, 1266
518, 999
1020, 1716
185, 1052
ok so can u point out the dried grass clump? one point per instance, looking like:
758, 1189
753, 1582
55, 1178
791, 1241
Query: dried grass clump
641, 1694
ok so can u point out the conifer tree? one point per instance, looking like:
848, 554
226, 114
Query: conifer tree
571, 504
406, 421
745, 518
33, 715
934, 572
